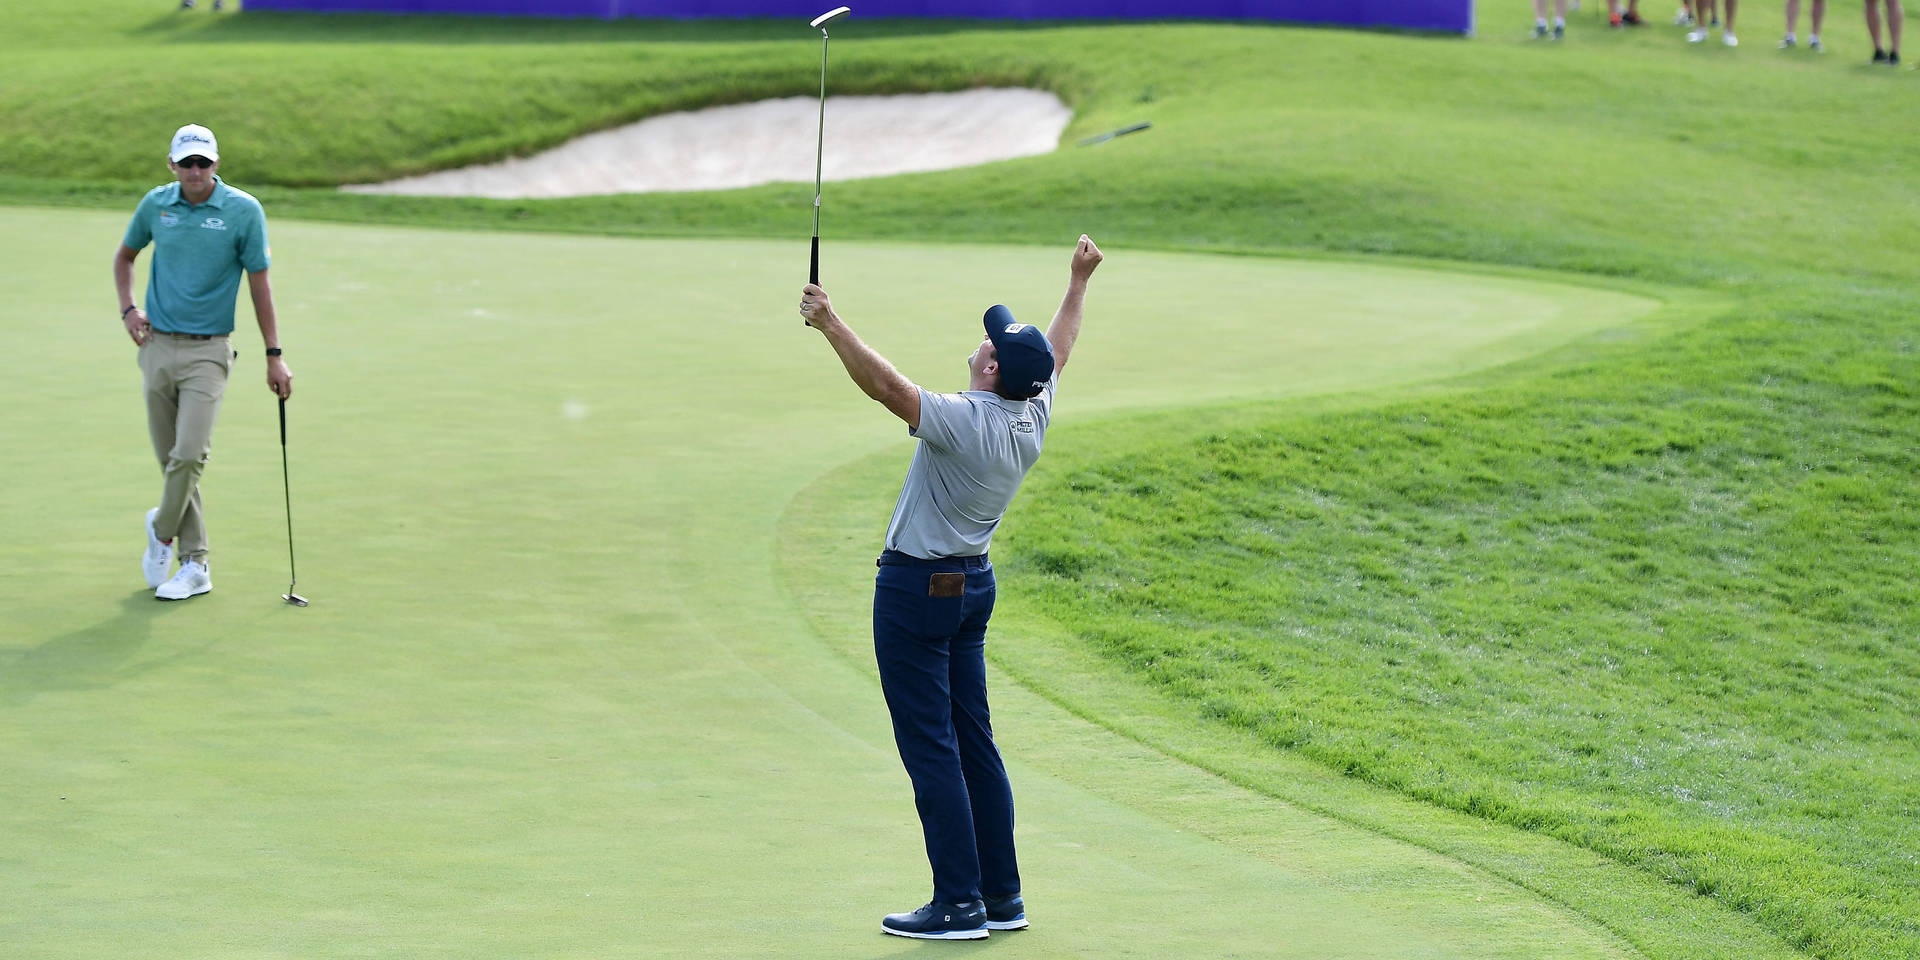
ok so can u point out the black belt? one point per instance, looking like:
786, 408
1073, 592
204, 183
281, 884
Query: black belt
896, 558
190, 336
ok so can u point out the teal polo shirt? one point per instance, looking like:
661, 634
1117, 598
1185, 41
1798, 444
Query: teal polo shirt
199, 252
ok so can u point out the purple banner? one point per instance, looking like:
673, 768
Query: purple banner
1451, 16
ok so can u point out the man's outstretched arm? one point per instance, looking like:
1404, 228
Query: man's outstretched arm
1065, 328
869, 370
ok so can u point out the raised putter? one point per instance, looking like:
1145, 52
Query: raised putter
286, 488
820, 145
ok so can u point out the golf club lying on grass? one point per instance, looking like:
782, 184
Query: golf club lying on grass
820, 145
286, 488
1123, 131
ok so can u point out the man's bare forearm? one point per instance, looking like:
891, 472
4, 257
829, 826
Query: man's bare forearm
123, 278
872, 373
1065, 328
132, 317
261, 290
279, 378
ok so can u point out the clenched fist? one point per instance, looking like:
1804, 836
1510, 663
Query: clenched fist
1086, 256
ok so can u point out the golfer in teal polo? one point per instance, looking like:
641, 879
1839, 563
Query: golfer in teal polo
205, 235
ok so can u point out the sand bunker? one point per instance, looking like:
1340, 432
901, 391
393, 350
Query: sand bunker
768, 142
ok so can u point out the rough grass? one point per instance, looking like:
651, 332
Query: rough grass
1661, 608
1657, 604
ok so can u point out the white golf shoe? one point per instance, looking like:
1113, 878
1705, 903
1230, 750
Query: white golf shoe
191, 581
158, 556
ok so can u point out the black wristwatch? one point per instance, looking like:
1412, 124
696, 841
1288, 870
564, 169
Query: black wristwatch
129, 309
273, 351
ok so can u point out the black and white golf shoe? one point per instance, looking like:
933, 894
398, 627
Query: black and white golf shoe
940, 921
1006, 913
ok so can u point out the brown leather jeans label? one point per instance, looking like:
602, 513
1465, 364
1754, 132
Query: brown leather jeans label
946, 585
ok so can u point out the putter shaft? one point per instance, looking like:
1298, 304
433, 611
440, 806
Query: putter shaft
286, 490
820, 143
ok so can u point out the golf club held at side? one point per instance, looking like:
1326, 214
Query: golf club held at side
286, 488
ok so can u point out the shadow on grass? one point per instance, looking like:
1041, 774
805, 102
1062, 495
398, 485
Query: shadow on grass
87, 659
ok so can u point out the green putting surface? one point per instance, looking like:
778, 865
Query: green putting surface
555, 695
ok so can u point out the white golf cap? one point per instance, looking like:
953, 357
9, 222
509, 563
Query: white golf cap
193, 140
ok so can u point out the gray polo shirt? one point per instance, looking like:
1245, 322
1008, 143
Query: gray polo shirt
975, 448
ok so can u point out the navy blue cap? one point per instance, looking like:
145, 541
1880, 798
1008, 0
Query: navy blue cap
1026, 358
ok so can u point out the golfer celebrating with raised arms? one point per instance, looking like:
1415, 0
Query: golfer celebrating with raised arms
935, 591
204, 235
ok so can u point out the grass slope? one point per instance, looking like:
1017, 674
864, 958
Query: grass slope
1731, 510
1657, 608
1616, 153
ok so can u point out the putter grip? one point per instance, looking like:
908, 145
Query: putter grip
283, 421
813, 271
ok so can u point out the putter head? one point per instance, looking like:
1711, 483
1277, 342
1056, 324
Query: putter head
837, 12
295, 599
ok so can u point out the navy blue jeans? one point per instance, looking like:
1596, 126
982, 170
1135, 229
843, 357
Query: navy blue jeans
929, 638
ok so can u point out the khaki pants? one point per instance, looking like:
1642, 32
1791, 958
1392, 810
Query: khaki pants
184, 380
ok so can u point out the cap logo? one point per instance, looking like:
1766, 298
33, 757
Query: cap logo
192, 138
1014, 327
